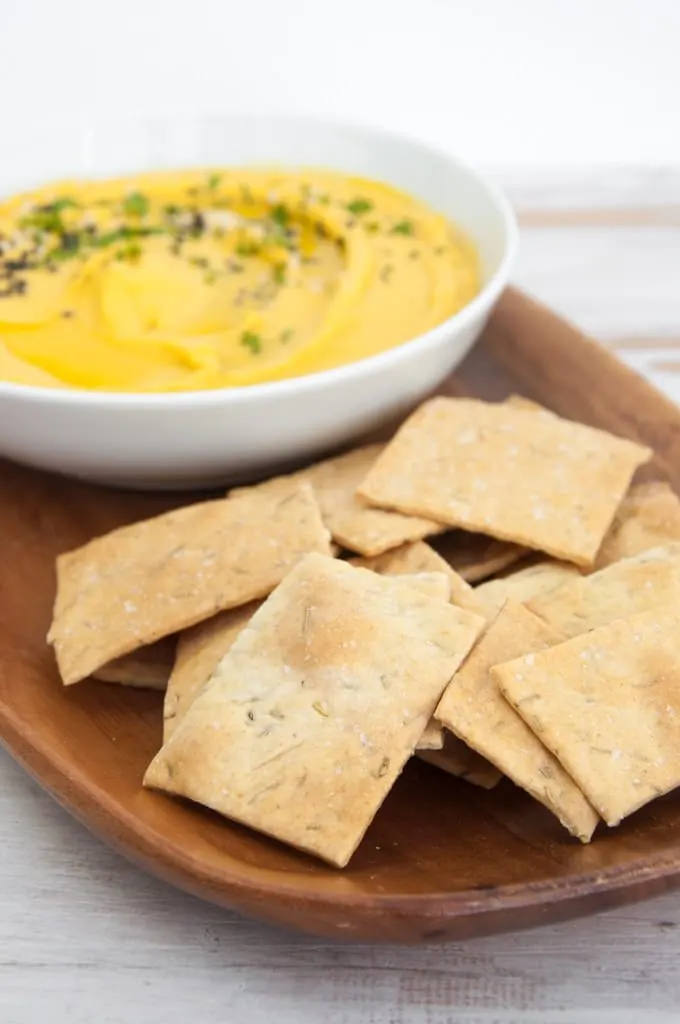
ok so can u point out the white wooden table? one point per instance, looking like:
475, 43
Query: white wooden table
85, 938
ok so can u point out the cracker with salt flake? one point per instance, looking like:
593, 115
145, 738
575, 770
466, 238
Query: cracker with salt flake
419, 557
519, 475
312, 714
624, 588
201, 648
147, 668
476, 557
523, 585
607, 704
145, 581
648, 517
474, 709
352, 523
199, 651
456, 758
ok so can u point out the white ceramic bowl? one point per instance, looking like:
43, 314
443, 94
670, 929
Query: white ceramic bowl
211, 437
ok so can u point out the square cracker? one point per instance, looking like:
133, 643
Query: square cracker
474, 709
352, 523
456, 758
523, 585
145, 581
648, 517
607, 704
148, 668
518, 474
322, 698
624, 588
419, 557
201, 648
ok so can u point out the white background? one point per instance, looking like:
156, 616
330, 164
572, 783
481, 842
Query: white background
503, 82
569, 97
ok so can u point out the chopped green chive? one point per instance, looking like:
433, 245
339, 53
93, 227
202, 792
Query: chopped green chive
279, 273
247, 249
214, 181
286, 335
131, 252
280, 215
61, 255
108, 238
359, 206
43, 219
252, 341
135, 205
64, 203
404, 227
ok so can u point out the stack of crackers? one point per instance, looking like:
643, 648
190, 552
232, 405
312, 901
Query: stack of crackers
310, 641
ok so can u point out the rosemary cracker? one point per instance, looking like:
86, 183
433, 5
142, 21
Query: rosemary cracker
648, 517
456, 758
523, 585
353, 523
518, 474
633, 585
474, 709
148, 667
320, 701
201, 648
607, 704
157, 577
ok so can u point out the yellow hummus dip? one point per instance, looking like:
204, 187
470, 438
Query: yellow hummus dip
209, 279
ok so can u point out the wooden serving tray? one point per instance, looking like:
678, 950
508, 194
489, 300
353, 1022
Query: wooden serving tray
443, 859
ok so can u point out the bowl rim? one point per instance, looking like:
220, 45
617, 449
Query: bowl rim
346, 373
